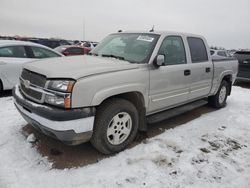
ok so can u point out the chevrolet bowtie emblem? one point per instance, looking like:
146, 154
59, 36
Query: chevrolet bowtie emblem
26, 83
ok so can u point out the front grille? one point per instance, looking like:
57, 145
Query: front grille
31, 93
35, 80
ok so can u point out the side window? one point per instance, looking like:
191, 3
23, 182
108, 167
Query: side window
197, 49
13, 51
41, 53
75, 50
222, 53
173, 49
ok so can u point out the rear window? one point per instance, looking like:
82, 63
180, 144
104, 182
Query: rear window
197, 49
242, 55
243, 52
60, 49
75, 50
41, 53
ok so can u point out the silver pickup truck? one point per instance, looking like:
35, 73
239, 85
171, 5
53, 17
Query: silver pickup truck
129, 80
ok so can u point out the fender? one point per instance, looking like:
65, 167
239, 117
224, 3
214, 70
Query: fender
101, 95
221, 76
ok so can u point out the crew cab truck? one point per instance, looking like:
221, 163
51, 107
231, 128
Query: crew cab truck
128, 80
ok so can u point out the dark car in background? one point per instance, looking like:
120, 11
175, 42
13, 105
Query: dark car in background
70, 50
52, 43
244, 65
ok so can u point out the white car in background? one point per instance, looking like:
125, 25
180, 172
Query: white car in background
88, 44
219, 54
13, 54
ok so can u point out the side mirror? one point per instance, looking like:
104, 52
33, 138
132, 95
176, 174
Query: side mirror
159, 60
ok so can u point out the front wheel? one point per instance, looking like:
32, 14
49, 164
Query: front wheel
220, 98
116, 126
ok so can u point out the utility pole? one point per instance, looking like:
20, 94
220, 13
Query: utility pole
83, 34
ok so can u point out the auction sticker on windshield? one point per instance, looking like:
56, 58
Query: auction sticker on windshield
145, 38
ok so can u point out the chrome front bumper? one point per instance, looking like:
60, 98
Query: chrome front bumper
71, 130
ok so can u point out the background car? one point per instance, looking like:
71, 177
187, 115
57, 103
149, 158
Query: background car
244, 65
88, 44
13, 54
51, 43
70, 50
219, 54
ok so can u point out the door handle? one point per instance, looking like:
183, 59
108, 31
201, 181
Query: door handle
208, 69
187, 72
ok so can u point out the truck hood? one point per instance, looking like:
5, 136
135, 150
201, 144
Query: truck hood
78, 66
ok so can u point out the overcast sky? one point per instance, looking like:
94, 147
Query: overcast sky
224, 23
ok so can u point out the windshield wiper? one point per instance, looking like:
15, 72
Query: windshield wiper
114, 56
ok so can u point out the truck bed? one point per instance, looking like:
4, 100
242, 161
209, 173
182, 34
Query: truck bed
221, 67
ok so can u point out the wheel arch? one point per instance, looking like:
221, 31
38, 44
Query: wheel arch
229, 79
226, 76
137, 99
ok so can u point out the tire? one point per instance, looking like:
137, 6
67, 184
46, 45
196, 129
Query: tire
1, 88
116, 125
220, 98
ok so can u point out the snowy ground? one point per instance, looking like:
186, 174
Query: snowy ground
210, 151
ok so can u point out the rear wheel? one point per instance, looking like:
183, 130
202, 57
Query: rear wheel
219, 99
116, 125
1, 87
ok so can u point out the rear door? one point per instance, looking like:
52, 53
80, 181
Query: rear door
169, 84
11, 60
201, 68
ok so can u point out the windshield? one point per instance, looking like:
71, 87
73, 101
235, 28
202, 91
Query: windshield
132, 47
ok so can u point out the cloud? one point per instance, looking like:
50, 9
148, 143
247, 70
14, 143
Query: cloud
223, 23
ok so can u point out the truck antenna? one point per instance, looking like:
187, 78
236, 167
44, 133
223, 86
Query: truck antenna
153, 29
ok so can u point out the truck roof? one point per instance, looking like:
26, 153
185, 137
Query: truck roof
164, 33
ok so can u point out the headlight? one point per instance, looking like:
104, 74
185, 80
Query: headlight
61, 85
60, 93
59, 101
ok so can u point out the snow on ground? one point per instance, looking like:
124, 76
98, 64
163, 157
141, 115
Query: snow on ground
210, 151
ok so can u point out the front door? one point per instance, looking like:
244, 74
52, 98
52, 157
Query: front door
169, 84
